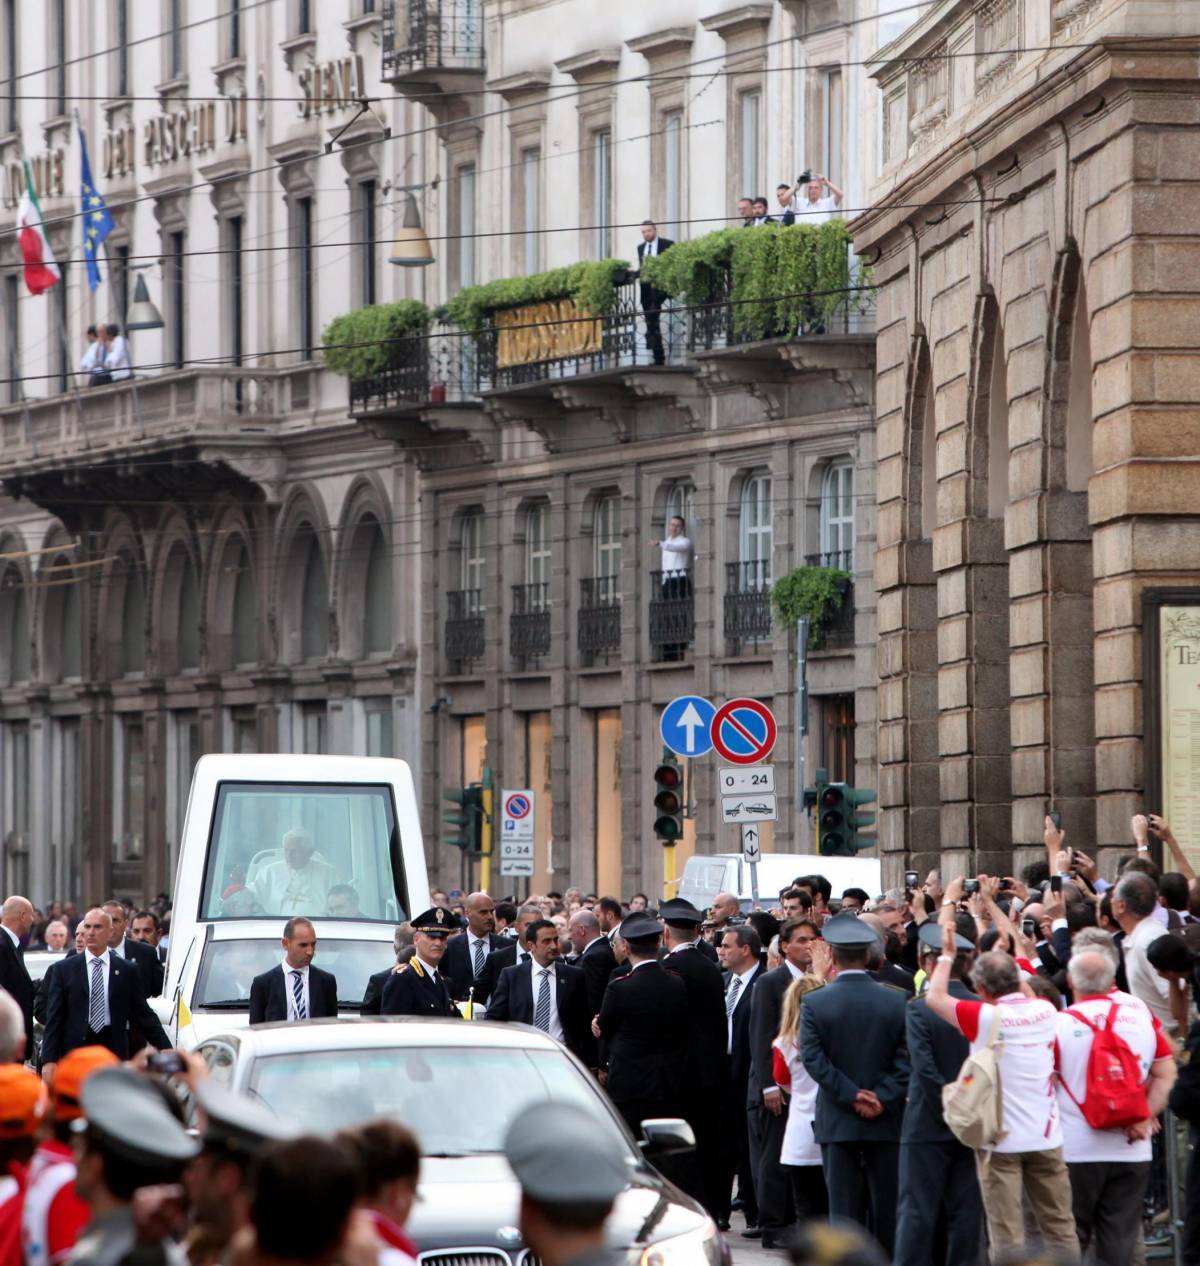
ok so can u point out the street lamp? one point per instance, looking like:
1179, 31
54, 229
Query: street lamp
142, 314
410, 247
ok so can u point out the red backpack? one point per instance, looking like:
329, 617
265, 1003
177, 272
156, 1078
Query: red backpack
1114, 1095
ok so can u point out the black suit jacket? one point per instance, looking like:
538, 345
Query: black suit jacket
67, 1009
493, 965
643, 1020
765, 1009
936, 1051
15, 979
456, 963
597, 963
410, 991
707, 1061
268, 995
513, 1000
897, 977
852, 1038
740, 1069
373, 995
651, 295
708, 951
145, 959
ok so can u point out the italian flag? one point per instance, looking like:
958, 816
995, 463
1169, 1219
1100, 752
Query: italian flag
41, 272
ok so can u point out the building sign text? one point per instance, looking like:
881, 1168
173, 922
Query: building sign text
554, 330
331, 86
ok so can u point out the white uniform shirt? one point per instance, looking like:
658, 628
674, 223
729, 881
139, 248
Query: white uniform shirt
1147, 1041
1144, 982
93, 358
117, 361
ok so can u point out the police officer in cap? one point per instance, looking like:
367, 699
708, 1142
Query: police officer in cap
706, 1070
570, 1174
418, 987
644, 1020
130, 1139
852, 1044
233, 1130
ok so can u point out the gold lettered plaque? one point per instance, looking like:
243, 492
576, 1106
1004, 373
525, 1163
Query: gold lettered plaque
554, 330
1179, 723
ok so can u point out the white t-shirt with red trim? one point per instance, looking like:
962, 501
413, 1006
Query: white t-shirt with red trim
1027, 1030
1144, 1035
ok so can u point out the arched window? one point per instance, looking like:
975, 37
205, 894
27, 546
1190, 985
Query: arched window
314, 603
537, 545
606, 545
377, 613
755, 529
71, 646
472, 560
837, 516
14, 627
133, 620
245, 619
681, 505
189, 618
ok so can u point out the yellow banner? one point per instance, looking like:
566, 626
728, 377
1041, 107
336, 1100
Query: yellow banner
553, 330
1179, 647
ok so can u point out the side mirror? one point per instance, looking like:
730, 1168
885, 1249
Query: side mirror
667, 1136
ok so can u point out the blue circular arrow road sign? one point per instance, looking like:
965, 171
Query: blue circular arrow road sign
686, 725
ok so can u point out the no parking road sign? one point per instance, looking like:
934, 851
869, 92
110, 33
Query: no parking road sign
516, 832
744, 731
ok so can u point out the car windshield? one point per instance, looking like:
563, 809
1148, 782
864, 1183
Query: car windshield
456, 1100
322, 851
228, 967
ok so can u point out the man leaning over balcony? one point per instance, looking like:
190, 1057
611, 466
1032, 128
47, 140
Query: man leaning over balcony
652, 298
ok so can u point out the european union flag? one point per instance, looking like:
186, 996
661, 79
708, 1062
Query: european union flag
97, 222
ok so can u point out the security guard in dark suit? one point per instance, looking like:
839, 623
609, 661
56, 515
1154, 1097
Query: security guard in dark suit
707, 1066
852, 1042
644, 1020
418, 987
938, 1184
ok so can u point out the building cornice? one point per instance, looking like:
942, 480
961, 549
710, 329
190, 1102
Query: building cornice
514, 87
735, 21
671, 39
595, 64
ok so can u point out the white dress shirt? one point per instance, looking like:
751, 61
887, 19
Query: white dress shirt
288, 983
745, 977
117, 361
88, 959
826, 208
429, 969
676, 555
649, 249
93, 358
556, 1029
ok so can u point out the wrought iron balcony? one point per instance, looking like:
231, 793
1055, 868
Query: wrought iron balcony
839, 635
464, 626
672, 614
539, 342
599, 630
440, 368
529, 623
436, 43
839, 560
747, 605
726, 322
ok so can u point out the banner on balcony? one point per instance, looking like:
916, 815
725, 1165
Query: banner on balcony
1173, 699
554, 330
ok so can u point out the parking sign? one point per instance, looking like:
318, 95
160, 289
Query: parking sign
516, 832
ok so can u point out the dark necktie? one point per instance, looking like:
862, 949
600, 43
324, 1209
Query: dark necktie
298, 996
478, 952
96, 1002
541, 1012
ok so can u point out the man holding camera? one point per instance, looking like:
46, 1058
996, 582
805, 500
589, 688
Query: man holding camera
821, 200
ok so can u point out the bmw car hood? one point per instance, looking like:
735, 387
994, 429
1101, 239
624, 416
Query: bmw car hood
467, 1200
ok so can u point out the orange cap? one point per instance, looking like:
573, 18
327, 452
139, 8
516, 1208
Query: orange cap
23, 1101
71, 1072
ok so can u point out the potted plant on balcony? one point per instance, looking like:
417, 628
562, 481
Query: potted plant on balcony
372, 340
816, 592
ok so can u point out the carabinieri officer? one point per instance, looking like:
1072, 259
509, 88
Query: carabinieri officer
418, 987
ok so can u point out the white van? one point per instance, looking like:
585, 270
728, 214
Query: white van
704, 877
336, 838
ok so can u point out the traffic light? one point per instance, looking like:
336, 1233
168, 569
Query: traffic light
468, 822
835, 833
860, 821
668, 800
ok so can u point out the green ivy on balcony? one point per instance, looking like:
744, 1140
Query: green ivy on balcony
815, 592
592, 284
369, 341
778, 277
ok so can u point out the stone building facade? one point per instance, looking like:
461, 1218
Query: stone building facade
1038, 382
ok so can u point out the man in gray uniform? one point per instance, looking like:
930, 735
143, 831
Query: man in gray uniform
570, 1173
852, 1042
130, 1139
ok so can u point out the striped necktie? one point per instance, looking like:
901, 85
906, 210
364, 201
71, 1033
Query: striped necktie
96, 1007
478, 951
731, 998
298, 996
541, 1013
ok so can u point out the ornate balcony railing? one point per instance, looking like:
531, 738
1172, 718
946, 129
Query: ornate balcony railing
840, 633
599, 630
747, 605
726, 322
529, 623
536, 343
423, 35
840, 560
439, 368
463, 630
672, 614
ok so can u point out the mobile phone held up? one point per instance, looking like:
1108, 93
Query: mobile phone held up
912, 880
1056, 818
167, 1063
1056, 883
